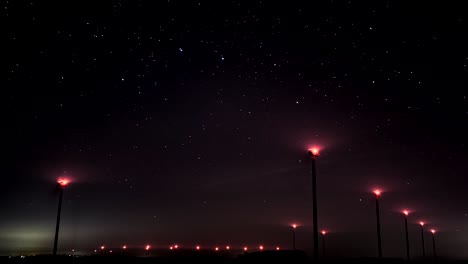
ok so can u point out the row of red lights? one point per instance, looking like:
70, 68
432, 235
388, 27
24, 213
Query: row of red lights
377, 194
313, 151
147, 247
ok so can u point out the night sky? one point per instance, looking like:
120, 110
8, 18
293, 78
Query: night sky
189, 122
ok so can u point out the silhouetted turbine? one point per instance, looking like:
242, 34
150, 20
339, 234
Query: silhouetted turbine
61, 183
377, 212
422, 239
406, 213
314, 153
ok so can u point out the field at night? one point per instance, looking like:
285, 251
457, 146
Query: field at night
140, 131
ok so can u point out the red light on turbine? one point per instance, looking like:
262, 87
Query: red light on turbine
324, 232
260, 247
405, 212
197, 247
294, 226
377, 193
63, 182
421, 223
124, 247
227, 247
277, 248
216, 248
246, 248
314, 152
147, 247
433, 231
103, 247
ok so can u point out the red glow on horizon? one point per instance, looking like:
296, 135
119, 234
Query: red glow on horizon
124, 247
433, 231
421, 223
147, 247
227, 247
377, 192
171, 248
103, 247
260, 247
324, 232
246, 248
63, 182
294, 226
216, 248
405, 212
277, 248
197, 247
176, 246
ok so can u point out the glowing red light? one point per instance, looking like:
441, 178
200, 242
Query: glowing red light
405, 212
227, 247
377, 192
260, 247
147, 247
246, 248
314, 152
63, 182
277, 248
171, 248
124, 247
433, 231
294, 226
216, 248
110, 251
324, 232
176, 246
197, 247
421, 223
103, 247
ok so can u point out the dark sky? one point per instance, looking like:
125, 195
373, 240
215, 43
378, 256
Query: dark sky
189, 121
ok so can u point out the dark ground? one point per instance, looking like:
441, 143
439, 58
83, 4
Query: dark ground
210, 257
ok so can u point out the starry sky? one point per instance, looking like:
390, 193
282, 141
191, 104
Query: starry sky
189, 122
